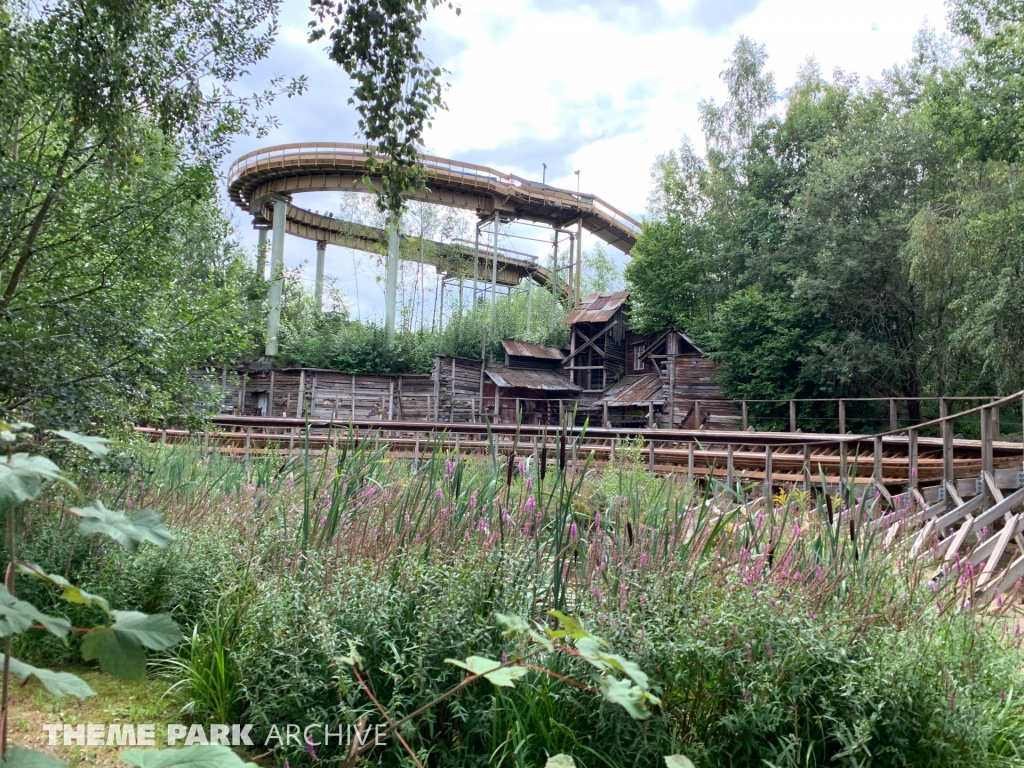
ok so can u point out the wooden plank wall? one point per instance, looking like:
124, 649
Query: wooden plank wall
332, 394
458, 389
695, 380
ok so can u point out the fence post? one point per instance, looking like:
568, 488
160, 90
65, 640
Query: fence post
746, 421
995, 423
728, 466
912, 481
689, 461
842, 418
986, 452
650, 460
768, 472
893, 419
876, 468
807, 466
650, 414
843, 473
792, 415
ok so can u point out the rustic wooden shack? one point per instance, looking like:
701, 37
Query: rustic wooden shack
540, 395
610, 375
597, 348
525, 354
678, 383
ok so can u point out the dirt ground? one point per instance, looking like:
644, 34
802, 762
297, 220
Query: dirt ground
115, 701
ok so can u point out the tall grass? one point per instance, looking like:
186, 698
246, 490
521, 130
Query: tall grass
782, 629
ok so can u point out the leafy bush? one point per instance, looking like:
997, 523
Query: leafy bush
773, 637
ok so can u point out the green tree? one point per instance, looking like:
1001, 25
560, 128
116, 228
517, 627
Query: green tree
115, 279
397, 88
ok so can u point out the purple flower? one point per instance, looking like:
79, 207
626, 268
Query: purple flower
440, 493
448, 467
309, 748
573, 530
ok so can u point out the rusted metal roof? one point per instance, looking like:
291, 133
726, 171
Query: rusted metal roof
529, 349
597, 308
634, 390
516, 377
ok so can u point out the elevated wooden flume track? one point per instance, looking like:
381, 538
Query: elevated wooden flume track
956, 497
256, 179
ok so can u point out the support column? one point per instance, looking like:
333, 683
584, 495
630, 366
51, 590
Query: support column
391, 290
321, 255
276, 277
554, 270
476, 264
529, 300
579, 262
261, 251
494, 278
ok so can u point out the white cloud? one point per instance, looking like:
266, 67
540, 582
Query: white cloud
603, 86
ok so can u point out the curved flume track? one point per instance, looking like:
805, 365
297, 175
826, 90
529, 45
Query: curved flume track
256, 179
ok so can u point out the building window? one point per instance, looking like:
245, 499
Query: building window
638, 364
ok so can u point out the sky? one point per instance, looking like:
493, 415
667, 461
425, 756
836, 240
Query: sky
602, 87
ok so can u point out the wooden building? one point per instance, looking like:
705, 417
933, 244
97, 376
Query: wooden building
677, 381
540, 396
609, 374
597, 343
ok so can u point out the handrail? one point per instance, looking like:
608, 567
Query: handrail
471, 171
954, 416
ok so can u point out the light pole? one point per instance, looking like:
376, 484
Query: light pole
544, 174
577, 182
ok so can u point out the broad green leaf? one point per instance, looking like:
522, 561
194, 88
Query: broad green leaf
353, 659
504, 677
19, 757
571, 628
198, 756
560, 761
515, 625
129, 532
157, 631
94, 445
23, 475
57, 683
17, 616
120, 648
70, 592
119, 654
628, 696
678, 761
592, 651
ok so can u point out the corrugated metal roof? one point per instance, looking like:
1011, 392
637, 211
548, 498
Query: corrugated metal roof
597, 308
634, 390
516, 377
529, 349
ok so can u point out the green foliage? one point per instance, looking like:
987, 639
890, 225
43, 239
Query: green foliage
397, 88
326, 339
875, 225
774, 637
118, 276
196, 756
119, 647
760, 341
